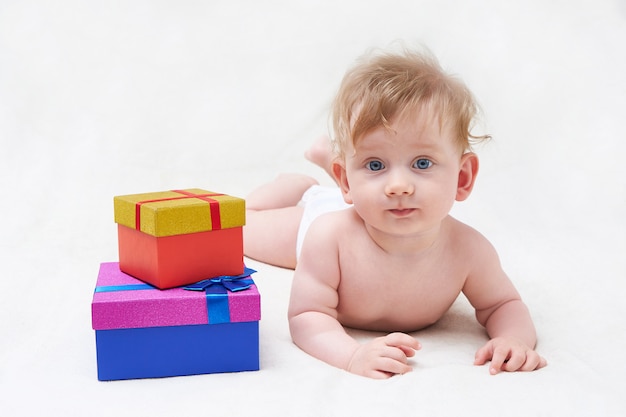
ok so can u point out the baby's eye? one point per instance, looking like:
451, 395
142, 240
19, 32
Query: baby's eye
375, 165
423, 163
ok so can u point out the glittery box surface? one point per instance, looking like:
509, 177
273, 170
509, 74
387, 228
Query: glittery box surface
153, 307
177, 212
144, 332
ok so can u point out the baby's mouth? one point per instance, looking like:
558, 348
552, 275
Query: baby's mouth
402, 212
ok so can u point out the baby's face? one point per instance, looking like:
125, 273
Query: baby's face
404, 180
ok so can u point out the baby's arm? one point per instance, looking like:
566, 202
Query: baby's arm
313, 315
505, 316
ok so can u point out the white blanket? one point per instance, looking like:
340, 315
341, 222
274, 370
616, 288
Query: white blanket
118, 97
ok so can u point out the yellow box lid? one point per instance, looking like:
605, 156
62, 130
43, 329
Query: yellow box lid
178, 212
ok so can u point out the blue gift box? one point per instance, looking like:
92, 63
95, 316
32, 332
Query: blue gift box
144, 332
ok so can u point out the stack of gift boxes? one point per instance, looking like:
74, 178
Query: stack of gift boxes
180, 300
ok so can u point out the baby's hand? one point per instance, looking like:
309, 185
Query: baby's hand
509, 355
384, 357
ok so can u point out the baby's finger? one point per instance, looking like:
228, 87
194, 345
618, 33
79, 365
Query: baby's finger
375, 374
516, 361
497, 361
389, 365
533, 362
401, 340
394, 353
483, 355
409, 351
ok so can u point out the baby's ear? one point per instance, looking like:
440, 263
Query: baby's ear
467, 175
339, 174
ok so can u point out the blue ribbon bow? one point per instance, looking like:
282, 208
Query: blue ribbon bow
216, 290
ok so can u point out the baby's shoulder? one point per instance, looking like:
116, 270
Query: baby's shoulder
338, 218
335, 223
466, 239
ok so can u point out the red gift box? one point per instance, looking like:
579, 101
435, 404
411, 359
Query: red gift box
174, 238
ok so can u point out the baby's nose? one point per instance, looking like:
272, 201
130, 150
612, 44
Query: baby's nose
399, 185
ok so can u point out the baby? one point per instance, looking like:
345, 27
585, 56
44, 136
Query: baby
387, 256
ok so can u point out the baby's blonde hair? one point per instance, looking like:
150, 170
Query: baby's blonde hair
385, 85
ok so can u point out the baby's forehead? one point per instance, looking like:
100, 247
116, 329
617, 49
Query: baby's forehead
363, 120
429, 122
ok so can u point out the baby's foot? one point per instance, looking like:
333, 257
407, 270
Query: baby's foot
320, 152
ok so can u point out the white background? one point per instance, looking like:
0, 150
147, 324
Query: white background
102, 98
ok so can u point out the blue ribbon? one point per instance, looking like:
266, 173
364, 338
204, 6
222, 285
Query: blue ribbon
216, 290
128, 287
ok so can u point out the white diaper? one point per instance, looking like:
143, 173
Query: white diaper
316, 201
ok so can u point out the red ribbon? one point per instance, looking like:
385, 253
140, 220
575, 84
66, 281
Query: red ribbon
214, 206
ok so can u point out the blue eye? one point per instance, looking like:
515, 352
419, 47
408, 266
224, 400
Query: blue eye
423, 163
375, 165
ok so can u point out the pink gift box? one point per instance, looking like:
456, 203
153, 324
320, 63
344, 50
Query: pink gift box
152, 307
144, 332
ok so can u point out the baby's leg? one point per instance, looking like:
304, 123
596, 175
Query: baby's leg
273, 218
285, 191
